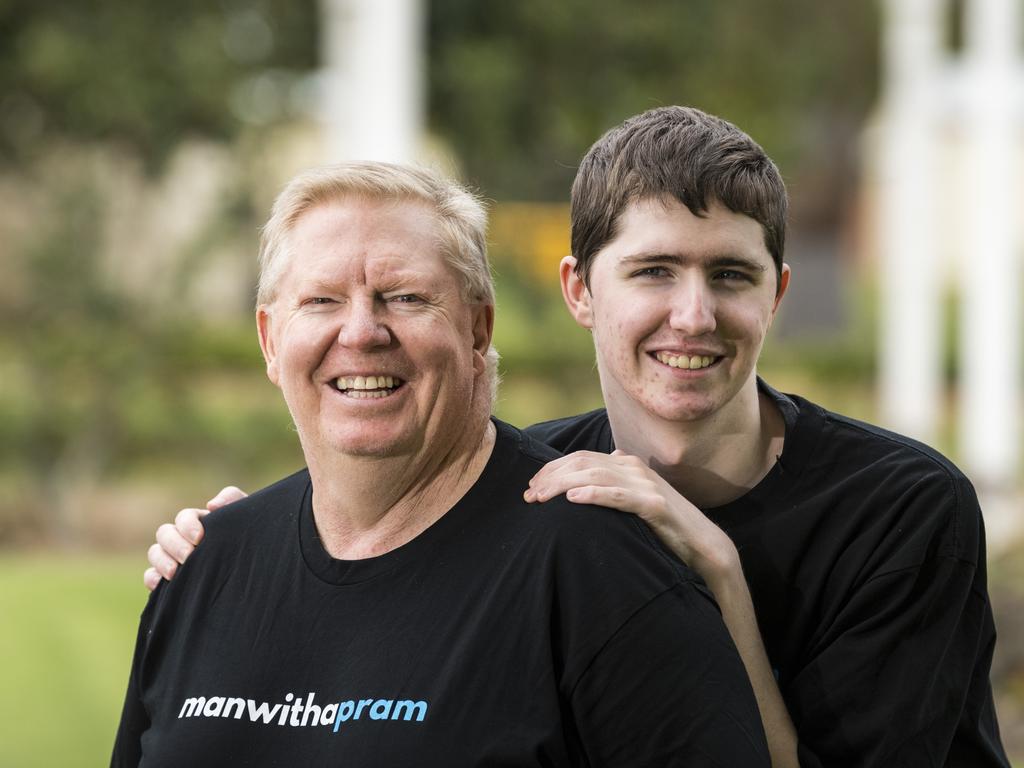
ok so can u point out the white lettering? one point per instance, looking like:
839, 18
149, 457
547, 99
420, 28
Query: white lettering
310, 706
192, 707
263, 711
213, 707
330, 712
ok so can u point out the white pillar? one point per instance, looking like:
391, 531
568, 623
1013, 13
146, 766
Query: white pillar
910, 361
990, 278
373, 78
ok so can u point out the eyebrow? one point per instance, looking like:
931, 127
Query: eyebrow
719, 261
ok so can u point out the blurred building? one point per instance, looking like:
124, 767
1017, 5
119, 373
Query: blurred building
944, 169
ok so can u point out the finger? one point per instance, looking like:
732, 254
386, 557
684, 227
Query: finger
162, 563
227, 495
150, 578
173, 543
573, 461
561, 482
613, 497
188, 526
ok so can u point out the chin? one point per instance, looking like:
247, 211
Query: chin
681, 410
371, 444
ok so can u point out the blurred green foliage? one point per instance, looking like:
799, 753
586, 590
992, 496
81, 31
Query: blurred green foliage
102, 382
145, 75
522, 89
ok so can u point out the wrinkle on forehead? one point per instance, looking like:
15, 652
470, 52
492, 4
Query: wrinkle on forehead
362, 239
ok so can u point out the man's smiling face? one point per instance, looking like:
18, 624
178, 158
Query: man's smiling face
679, 306
369, 336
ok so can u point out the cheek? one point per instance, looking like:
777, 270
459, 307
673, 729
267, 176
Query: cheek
617, 339
742, 322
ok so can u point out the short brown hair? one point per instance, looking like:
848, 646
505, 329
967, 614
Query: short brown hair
697, 158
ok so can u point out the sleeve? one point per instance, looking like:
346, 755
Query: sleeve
900, 675
134, 718
668, 689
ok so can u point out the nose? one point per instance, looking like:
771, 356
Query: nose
362, 326
693, 308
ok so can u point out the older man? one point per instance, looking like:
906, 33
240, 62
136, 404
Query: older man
399, 602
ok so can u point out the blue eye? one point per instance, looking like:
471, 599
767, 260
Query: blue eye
320, 300
405, 298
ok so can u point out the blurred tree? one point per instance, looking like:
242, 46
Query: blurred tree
144, 74
522, 89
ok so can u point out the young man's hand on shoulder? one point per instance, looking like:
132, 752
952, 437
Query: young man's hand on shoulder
175, 542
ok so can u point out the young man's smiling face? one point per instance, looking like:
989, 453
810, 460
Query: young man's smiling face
679, 306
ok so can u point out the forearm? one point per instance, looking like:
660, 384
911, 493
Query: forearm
730, 590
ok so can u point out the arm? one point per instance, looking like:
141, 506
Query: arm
174, 543
626, 483
134, 718
909, 643
668, 689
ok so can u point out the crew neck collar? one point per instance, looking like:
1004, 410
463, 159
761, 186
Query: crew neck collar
351, 572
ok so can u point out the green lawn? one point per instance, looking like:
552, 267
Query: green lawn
68, 629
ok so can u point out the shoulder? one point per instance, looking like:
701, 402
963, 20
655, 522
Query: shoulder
887, 478
891, 458
589, 431
250, 530
260, 506
578, 538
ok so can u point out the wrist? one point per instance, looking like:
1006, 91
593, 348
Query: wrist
719, 565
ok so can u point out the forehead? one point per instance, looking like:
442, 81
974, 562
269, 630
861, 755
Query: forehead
356, 222
366, 234
653, 227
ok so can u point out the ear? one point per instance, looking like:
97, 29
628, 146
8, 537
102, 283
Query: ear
483, 332
784, 276
267, 345
575, 292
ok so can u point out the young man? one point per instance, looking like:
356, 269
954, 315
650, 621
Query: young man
848, 561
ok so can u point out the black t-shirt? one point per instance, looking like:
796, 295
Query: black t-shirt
865, 556
506, 634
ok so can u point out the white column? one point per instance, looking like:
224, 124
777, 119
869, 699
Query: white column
910, 361
990, 278
373, 78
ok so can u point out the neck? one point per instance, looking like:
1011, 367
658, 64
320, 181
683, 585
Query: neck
713, 460
364, 507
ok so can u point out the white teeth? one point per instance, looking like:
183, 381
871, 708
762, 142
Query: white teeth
683, 361
366, 384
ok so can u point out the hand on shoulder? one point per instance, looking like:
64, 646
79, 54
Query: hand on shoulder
626, 483
175, 542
